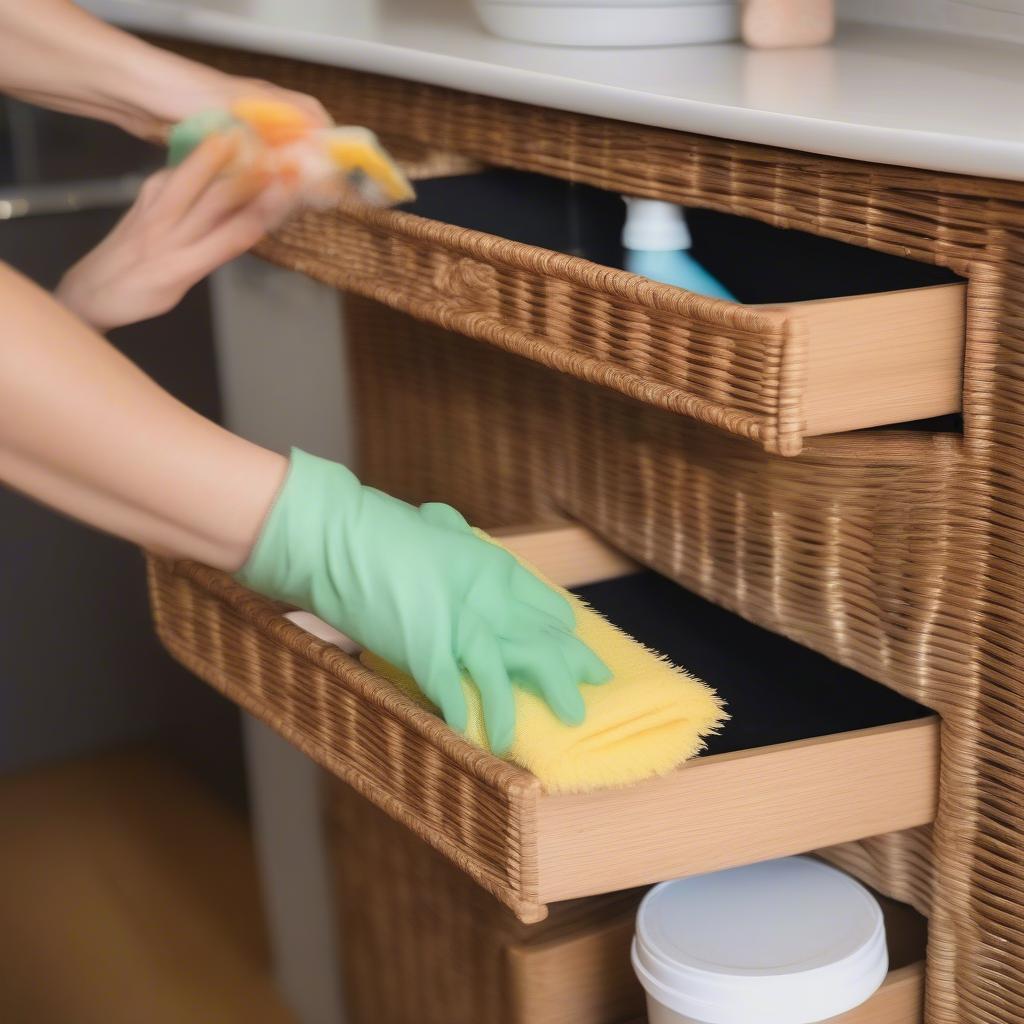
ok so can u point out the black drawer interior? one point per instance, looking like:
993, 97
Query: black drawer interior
759, 263
775, 690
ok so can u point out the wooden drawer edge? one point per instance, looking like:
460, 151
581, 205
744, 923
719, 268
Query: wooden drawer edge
733, 809
900, 1000
901, 360
794, 797
826, 365
571, 555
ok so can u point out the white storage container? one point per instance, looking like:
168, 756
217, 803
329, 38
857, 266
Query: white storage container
789, 941
611, 22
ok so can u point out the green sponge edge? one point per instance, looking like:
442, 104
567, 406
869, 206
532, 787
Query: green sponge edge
187, 134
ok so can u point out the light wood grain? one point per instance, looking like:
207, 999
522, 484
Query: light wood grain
583, 977
570, 555
732, 809
900, 1000
890, 357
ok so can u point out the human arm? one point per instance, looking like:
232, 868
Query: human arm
85, 431
55, 54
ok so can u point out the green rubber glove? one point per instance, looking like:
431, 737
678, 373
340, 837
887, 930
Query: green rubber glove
420, 589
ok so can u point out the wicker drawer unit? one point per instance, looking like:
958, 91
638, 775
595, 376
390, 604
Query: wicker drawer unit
911, 572
528, 847
481, 964
774, 375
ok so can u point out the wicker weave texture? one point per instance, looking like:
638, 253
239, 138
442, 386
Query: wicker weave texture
735, 367
430, 947
445, 419
816, 548
475, 809
964, 656
898, 865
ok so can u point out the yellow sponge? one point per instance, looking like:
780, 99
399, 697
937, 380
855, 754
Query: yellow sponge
647, 720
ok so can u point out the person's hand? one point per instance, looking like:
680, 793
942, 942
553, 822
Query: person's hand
207, 89
185, 223
419, 588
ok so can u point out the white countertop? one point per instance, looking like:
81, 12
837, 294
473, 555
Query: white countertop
886, 95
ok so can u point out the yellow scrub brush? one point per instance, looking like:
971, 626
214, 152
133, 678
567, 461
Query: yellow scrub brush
324, 161
647, 720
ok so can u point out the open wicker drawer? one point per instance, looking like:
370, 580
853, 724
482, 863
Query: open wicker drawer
758, 798
770, 373
483, 965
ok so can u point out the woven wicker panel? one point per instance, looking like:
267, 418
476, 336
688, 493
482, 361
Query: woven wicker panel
430, 947
445, 419
898, 865
472, 807
817, 547
965, 660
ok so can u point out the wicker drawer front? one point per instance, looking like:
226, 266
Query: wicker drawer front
433, 948
493, 820
772, 375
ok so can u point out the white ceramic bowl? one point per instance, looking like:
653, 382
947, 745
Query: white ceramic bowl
611, 22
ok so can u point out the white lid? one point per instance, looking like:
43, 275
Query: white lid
790, 941
654, 226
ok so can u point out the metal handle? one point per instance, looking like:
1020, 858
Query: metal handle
69, 197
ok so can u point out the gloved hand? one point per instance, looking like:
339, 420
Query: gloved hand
420, 589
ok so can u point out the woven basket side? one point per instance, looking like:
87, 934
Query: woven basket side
815, 547
475, 809
442, 418
715, 361
898, 865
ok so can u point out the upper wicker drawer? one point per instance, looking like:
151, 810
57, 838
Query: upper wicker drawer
774, 374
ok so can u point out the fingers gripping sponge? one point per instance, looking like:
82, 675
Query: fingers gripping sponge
647, 720
323, 160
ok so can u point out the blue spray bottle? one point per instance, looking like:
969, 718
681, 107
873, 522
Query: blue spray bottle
657, 243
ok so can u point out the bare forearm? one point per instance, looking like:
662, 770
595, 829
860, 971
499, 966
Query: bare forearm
85, 431
57, 55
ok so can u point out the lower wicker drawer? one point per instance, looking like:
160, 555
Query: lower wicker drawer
782, 783
481, 964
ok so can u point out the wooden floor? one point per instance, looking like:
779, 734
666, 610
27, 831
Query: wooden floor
128, 895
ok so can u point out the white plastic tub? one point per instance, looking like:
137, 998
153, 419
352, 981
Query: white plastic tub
611, 22
789, 941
